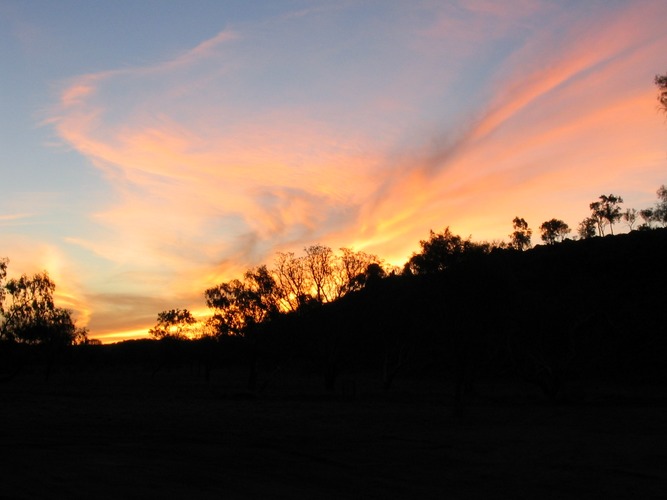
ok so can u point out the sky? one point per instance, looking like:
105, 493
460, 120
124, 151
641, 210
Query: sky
151, 149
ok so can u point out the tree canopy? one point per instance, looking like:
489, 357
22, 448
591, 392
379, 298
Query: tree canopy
31, 316
442, 251
553, 230
587, 228
606, 211
175, 324
520, 238
239, 305
661, 83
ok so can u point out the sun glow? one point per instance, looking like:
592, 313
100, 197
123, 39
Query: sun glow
120, 336
196, 164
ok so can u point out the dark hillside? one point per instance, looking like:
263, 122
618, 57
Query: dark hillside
535, 374
580, 310
542, 323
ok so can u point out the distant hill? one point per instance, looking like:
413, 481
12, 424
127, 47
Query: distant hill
553, 318
585, 309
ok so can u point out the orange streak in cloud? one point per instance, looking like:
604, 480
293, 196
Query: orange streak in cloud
199, 200
110, 337
76, 94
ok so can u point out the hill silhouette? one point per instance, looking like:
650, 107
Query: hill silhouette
552, 320
513, 372
577, 310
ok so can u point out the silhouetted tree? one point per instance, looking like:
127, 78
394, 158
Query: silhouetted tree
262, 293
228, 303
374, 273
647, 216
606, 211
520, 238
630, 217
83, 339
661, 83
239, 305
3, 275
319, 262
175, 323
597, 217
354, 269
319, 276
587, 228
442, 251
660, 211
291, 279
32, 316
553, 230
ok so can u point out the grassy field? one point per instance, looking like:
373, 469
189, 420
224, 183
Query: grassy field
125, 434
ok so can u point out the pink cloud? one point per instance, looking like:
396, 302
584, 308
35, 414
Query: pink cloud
76, 94
209, 181
11, 218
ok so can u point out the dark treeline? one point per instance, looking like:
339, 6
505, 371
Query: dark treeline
548, 319
460, 312
320, 276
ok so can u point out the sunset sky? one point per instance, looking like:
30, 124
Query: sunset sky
151, 149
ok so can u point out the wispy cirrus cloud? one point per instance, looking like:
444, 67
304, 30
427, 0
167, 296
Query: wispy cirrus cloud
252, 142
13, 218
544, 129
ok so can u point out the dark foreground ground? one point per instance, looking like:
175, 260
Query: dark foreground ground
127, 435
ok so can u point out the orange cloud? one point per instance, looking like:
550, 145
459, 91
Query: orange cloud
539, 121
11, 218
76, 94
217, 160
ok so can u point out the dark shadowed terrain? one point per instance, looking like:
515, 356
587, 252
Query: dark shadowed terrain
125, 434
538, 374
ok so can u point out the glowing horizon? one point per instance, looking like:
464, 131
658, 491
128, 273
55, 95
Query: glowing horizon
146, 168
